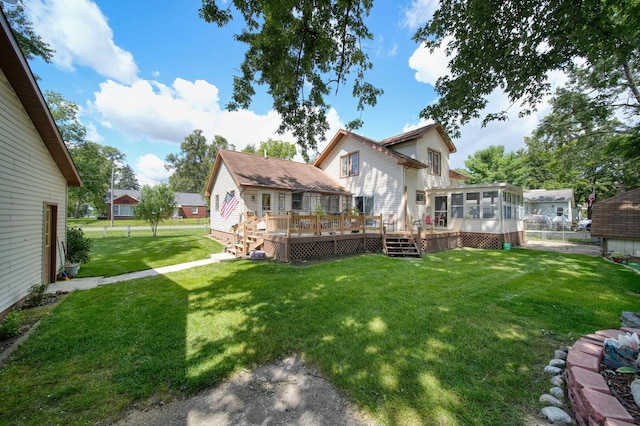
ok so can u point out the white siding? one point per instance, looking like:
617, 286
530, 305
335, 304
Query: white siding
380, 176
29, 178
224, 183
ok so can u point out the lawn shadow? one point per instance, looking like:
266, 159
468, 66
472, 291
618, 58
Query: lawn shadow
417, 342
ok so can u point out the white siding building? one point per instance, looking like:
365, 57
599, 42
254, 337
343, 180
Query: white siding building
35, 170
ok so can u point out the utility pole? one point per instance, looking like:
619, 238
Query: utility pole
113, 165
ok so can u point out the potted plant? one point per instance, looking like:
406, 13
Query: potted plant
78, 248
617, 257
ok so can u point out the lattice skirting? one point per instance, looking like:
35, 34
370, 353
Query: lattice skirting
318, 247
296, 249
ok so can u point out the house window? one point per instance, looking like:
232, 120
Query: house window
349, 165
457, 205
472, 206
330, 203
296, 201
433, 159
194, 210
490, 204
420, 197
217, 202
122, 210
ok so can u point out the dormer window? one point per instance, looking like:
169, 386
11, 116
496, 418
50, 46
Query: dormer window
349, 165
433, 158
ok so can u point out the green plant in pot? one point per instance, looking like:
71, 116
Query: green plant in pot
617, 257
78, 250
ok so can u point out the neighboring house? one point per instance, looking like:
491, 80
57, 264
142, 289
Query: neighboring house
190, 205
35, 171
556, 205
617, 221
405, 178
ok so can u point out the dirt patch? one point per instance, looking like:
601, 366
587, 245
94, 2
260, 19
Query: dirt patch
287, 392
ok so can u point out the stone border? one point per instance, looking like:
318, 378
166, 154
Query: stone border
591, 399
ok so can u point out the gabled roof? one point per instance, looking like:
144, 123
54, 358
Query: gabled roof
401, 159
182, 198
251, 170
617, 217
17, 71
417, 134
548, 195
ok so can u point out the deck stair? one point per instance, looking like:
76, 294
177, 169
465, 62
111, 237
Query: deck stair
400, 245
246, 237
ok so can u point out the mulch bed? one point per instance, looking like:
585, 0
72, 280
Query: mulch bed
47, 299
620, 386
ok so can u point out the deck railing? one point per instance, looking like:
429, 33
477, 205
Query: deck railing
292, 224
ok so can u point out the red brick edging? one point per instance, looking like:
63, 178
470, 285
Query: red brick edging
591, 399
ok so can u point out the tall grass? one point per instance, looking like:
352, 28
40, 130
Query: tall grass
459, 337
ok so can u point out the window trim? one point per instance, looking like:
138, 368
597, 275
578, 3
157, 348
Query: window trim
349, 158
432, 163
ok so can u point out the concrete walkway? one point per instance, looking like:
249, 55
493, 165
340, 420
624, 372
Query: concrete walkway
563, 247
93, 282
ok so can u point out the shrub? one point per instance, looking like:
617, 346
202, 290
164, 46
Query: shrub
78, 246
10, 325
36, 296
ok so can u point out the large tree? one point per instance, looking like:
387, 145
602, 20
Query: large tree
303, 51
192, 165
273, 148
126, 178
513, 44
30, 43
156, 204
492, 164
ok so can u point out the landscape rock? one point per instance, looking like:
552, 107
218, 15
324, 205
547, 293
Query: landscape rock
557, 392
550, 399
556, 415
552, 370
560, 354
635, 391
557, 381
556, 362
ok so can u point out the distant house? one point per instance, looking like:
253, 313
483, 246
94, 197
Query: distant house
404, 180
190, 205
35, 171
557, 206
617, 221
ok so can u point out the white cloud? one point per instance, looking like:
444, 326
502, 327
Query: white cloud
157, 112
80, 35
419, 13
150, 170
92, 133
430, 66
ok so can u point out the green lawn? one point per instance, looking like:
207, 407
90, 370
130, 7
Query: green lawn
118, 254
95, 223
458, 337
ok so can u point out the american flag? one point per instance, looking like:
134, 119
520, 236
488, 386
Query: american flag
230, 202
592, 198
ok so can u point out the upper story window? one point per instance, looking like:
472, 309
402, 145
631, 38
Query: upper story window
349, 165
433, 159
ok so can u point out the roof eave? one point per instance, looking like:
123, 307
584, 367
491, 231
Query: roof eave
17, 71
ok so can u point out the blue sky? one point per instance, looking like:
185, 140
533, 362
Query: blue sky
147, 73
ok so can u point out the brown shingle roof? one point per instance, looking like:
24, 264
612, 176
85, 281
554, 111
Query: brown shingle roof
15, 68
416, 134
617, 217
251, 170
